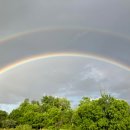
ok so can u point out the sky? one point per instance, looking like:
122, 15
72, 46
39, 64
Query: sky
96, 32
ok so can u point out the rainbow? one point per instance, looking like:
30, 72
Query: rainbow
63, 54
85, 30
54, 55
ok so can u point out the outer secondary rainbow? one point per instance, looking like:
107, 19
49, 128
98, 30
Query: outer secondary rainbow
21, 34
37, 57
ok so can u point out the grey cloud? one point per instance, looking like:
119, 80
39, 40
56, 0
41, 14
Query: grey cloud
66, 74
62, 77
17, 16
91, 73
66, 40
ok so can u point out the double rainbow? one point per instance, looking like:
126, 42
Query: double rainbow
53, 55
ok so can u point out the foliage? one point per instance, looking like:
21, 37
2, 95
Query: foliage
8, 123
3, 116
23, 127
105, 113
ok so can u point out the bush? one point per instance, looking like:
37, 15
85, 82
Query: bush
9, 123
24, 127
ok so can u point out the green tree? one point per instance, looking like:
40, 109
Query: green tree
105, 113
24, 127
3, 116
8, 123
57, 110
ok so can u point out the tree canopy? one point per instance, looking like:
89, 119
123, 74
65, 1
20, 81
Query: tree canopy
104, 113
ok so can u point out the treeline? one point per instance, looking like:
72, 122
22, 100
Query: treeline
105, 113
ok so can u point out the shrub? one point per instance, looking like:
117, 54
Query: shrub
24, 127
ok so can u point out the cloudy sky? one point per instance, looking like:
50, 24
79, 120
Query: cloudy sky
98, 30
